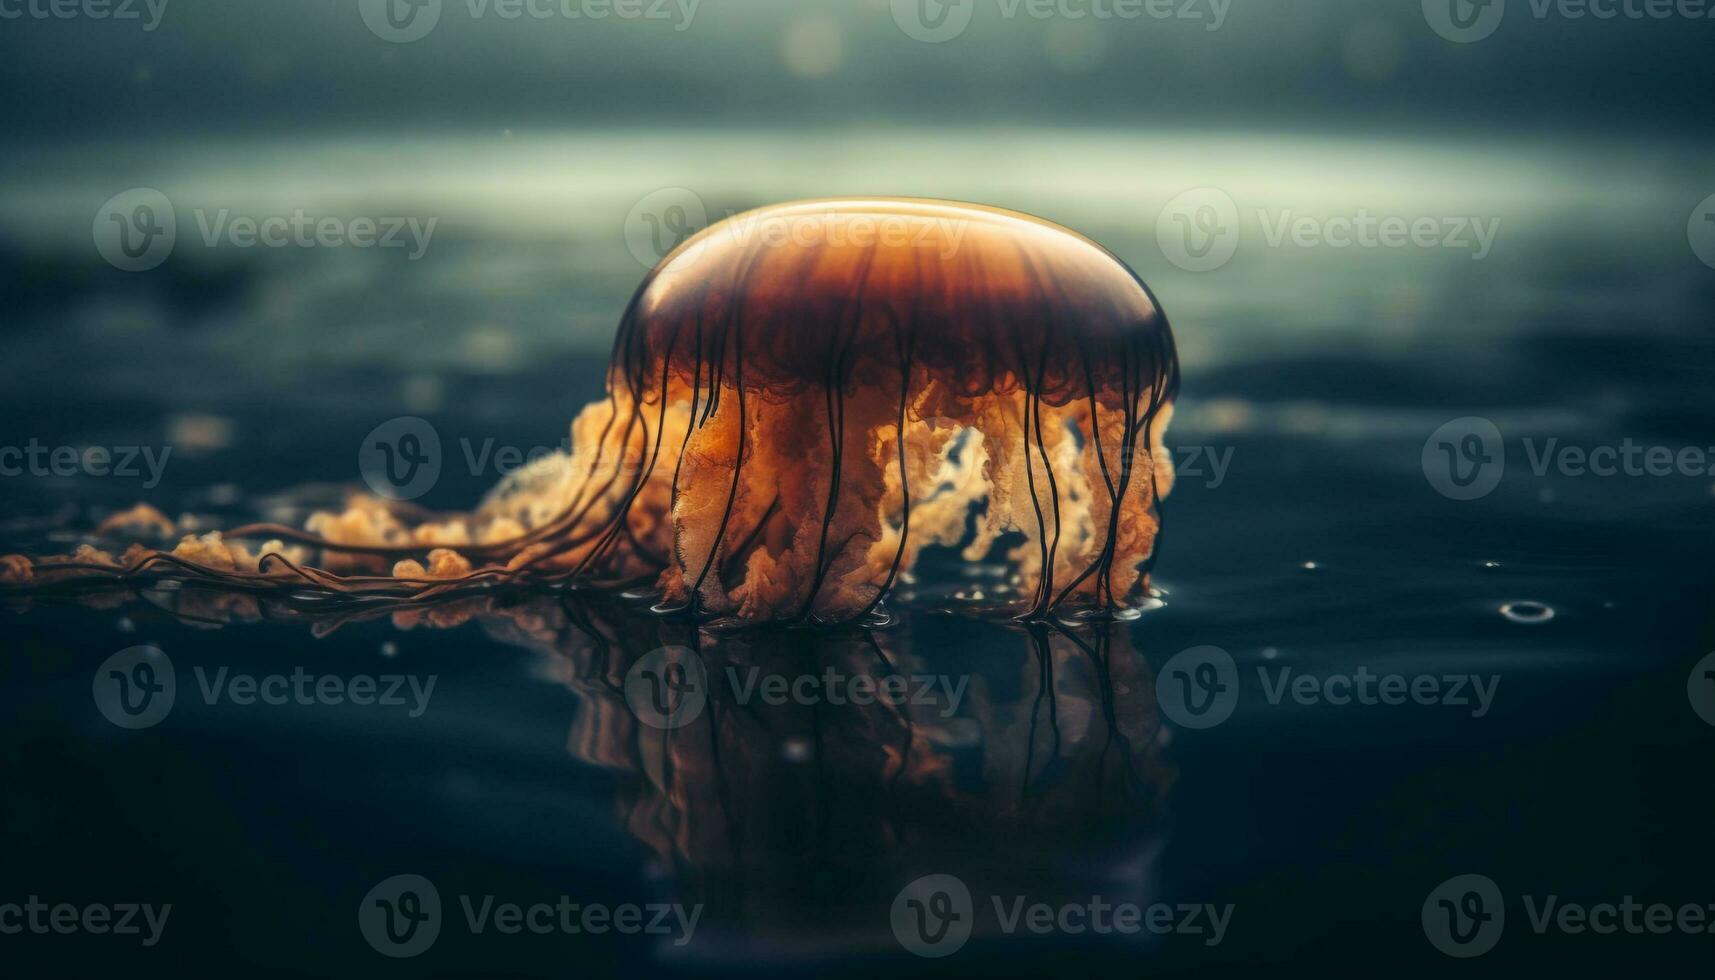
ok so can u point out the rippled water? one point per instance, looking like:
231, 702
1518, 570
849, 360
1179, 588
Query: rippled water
1306, 538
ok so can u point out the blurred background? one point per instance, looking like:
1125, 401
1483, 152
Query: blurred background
537, 148
249, 233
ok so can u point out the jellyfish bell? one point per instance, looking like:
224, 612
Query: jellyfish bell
804, 398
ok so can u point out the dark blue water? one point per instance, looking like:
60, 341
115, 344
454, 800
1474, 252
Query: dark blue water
1306, 537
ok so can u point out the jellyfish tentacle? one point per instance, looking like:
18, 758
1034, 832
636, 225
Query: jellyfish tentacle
1029, 363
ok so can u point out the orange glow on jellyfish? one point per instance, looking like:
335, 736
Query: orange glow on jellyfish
801, 400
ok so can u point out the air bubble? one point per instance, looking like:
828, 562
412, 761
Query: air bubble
1527, 612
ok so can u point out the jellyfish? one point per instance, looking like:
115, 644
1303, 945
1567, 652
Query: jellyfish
803, 402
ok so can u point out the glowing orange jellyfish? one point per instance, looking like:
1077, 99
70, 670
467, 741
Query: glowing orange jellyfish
800, 400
